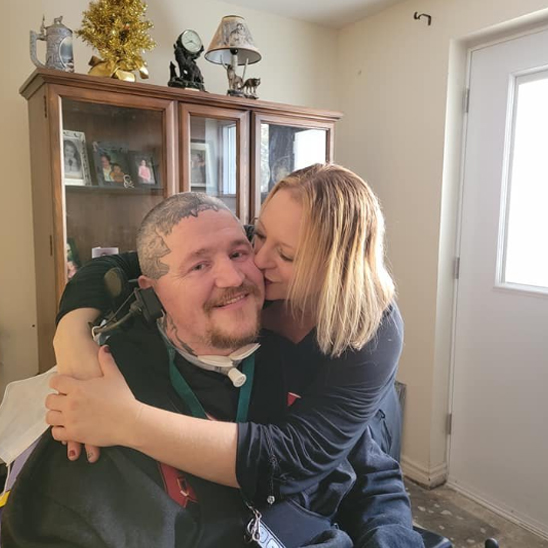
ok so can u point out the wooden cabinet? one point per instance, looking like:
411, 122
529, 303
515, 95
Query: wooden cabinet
104, 152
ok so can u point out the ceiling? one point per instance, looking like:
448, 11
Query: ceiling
329, 13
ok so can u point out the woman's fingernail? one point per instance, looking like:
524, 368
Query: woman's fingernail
72, 454
107, 349
90, 456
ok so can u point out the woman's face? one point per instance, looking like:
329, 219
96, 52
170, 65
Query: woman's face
275, 243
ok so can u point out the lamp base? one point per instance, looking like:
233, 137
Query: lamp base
235, 93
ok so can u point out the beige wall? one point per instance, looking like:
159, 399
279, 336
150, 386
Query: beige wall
401, 85
295, 67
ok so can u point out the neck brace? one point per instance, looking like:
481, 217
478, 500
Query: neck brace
226, 365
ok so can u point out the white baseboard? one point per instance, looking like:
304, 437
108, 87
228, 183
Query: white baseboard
427, 477
528, 523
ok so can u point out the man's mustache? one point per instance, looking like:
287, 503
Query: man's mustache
247, 288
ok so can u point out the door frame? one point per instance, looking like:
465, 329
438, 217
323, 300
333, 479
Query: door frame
486, 40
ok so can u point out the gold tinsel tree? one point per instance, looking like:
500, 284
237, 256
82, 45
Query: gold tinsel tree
118, 31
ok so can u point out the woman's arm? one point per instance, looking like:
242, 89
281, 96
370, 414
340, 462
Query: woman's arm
83, 300
263, 460
322, 426
75, 350
103, 412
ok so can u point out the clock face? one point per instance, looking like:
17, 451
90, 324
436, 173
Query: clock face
191, 41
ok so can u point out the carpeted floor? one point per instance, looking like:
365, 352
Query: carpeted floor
464, 522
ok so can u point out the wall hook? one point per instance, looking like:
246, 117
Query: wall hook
418, 15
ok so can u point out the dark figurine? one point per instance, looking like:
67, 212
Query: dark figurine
250, 87
186, 52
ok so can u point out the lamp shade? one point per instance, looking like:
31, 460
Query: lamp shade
232, 34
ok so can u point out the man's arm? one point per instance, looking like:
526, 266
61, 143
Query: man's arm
377, 512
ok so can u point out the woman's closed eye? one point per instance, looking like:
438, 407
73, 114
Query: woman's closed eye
284, 257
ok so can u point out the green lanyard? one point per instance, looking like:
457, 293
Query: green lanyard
185, 392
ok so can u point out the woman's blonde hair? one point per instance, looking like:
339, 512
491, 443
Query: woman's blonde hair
339, 273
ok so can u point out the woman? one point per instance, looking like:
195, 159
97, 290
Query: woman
319, 243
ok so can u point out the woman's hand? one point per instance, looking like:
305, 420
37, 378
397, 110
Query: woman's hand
101, 411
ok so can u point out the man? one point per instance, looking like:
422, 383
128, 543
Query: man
212, 298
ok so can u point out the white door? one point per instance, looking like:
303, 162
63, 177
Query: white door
499, 440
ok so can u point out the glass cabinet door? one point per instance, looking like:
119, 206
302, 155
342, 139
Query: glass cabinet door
284, 145
114, 169
215, 155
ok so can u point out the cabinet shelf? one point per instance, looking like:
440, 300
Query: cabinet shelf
78, 189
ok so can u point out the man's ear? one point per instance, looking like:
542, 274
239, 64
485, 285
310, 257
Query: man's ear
145, 282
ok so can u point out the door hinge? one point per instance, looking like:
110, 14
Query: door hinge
466, 100
449, 423
51, 245
45, 106
456, 268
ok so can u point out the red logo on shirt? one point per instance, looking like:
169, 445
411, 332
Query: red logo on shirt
292, 398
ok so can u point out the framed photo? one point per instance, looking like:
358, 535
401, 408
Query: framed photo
73, 259
103, 251
75, 159
145, 169
202, 174
112, 166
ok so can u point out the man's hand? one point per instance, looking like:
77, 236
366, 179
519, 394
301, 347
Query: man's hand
100, 411
77, 356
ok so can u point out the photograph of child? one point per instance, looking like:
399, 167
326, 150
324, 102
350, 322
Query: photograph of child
145, 168
75, 159
112, 165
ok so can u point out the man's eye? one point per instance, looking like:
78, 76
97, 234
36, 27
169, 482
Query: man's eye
239, 254
198, 267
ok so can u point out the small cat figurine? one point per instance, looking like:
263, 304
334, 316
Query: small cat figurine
250, 87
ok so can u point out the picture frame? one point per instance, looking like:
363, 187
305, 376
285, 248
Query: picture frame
112, 166
145, 169
75, 162
73, 258
202, 173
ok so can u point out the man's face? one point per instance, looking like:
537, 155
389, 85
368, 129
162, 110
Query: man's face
213, 291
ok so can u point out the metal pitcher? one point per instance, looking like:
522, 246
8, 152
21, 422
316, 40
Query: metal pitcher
58, 40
